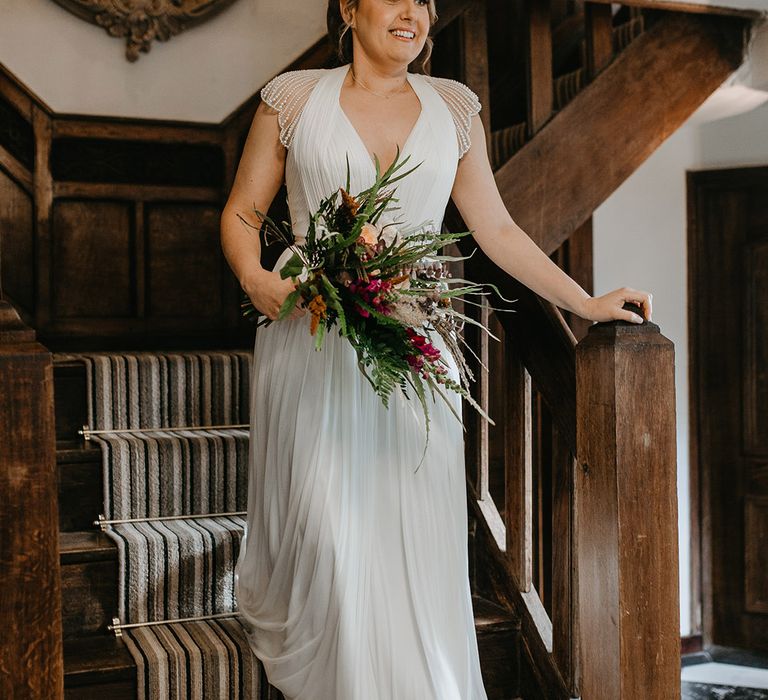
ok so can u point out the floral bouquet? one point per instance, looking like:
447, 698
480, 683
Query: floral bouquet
385, 288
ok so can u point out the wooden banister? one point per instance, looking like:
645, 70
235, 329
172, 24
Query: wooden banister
598, 30
542, 339
626, 514
539, 58
549, 527
31, 653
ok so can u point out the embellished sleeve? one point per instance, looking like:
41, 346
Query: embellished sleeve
462, 103
287, 94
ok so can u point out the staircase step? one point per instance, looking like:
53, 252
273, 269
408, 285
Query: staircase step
70, 398
99, 664
207, 387
493, 618
81, 493
98, 667
498, 641
89, 580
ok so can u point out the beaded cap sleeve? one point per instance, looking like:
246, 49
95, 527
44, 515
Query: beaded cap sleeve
463, 104
287, 94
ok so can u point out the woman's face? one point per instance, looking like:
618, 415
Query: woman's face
392, 31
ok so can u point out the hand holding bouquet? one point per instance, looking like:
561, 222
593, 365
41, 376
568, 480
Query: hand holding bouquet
384, 287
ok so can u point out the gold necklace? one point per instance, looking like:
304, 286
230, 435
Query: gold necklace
378, 94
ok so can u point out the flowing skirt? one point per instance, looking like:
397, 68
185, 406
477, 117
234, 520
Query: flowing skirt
352, 578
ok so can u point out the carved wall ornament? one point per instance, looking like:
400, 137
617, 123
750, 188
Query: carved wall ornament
143, 21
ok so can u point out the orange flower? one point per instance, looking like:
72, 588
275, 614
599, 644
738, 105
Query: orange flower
317, 308
369, 235
349, 202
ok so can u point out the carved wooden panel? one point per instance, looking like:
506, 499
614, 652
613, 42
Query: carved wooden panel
119, 212
141, 22
93, 259
16, 243
127, 161
184, 260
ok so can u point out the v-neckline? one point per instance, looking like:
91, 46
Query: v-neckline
356, 133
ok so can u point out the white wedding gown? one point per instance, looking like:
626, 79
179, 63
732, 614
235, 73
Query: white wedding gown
352, 577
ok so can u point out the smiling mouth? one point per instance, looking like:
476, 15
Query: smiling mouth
403, 34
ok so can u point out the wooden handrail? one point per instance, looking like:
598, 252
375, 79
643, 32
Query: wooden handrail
542, 339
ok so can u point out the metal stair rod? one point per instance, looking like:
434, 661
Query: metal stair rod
117, 627
102, 522
86, 432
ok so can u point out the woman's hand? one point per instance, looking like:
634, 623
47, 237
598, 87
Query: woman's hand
608, 307
267, 290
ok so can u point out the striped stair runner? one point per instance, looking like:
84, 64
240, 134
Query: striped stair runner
179, 567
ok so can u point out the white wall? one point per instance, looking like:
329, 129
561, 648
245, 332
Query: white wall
201, 75
640, 234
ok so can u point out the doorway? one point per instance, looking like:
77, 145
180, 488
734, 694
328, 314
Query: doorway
728, 331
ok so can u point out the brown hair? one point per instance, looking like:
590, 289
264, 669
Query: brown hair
341, 39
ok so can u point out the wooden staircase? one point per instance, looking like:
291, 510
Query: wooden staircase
96, 663
573, 103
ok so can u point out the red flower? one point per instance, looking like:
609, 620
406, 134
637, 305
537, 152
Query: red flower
422, 345
415, 361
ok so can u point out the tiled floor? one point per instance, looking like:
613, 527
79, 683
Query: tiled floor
724, 674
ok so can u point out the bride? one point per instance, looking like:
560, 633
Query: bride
352, 579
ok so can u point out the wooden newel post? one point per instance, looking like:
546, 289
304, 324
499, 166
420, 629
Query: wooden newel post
31, 659
626, 514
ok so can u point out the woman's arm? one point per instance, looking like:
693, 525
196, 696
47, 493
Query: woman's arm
503, 241
258, 178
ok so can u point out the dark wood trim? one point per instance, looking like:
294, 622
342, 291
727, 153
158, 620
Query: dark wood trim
19, 95
450, 10
134, 192
124, 129
544, 341
43, 199
540, 93
694, 466
16, 170
475, 58
598, 21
